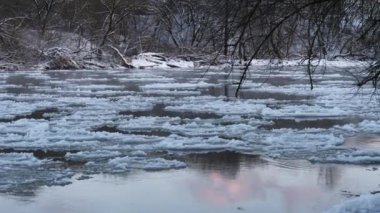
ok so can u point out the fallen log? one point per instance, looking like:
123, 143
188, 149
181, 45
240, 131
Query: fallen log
125, 61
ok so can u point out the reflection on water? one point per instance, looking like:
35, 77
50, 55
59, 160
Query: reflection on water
279, 188
214, 182
226, 163
328, 176
160, 111
280, 81
364, 141
304, 124
229, 91
24, 80
152, 132
37, 115
230, 178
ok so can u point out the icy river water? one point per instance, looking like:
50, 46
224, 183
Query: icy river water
179, 141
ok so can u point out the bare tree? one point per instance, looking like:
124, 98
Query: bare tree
43, 10
315, 14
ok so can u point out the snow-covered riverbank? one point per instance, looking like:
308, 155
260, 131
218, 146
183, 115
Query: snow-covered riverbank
63, 58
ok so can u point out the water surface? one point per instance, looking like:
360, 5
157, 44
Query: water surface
214, 182
91, 141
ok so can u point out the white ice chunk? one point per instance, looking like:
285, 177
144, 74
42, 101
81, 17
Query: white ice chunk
362, 204
126, 163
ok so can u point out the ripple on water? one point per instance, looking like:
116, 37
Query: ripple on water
363, 141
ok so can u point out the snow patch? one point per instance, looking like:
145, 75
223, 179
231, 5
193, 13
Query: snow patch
158, 60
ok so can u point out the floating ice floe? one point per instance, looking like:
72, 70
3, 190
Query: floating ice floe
127, 163
330, 63
368, 126
18, 159
351, 157
362, 204
93, 154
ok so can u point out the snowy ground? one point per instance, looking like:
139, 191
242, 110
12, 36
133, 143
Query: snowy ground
59, 123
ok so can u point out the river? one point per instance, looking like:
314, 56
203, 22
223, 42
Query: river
159, 140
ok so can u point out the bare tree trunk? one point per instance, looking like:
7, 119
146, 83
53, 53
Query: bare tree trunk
226, 26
